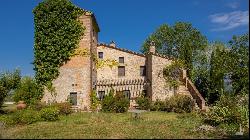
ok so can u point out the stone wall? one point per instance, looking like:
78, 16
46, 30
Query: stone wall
132, 63
159, 88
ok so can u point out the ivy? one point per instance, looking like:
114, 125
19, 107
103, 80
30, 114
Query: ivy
99, 63
57, 35
95, 103
172, 73
107, 62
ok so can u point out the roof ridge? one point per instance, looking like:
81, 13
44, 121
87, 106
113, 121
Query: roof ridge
162, 55
136, 53
121, 49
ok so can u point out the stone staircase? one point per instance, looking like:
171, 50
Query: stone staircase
75, 108
184, 91
189, 88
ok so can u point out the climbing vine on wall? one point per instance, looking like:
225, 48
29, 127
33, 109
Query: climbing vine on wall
107, 62
57, 35
99, 63
172, 73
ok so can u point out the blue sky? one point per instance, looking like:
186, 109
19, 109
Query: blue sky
127, 22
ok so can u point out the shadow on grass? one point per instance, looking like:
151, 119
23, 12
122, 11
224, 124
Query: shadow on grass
246, 136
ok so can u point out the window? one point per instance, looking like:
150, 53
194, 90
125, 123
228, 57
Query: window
73, 98
143, 70
126, 93
121, 59
144, 93
100, 55
121, 70
101, 95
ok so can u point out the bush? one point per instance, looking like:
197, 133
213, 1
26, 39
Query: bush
143, 103
37, 105
229, 110
28, 91
158, 106
177, 103
121, 103
181, 103
117, 103
64, 108
50, 113
108, 102
26, 116
95, 103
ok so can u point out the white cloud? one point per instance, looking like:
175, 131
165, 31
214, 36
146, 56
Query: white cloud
226, 21
233, 5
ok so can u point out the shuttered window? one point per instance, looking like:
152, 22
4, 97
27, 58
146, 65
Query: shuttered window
121, 59
121, 70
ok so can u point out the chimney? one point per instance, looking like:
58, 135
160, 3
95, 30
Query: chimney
112, 43
152, 47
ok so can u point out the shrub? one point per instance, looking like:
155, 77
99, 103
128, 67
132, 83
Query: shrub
94, 101
158, 106
181, 103
50, 113
228, 110
117, 103
64, 108
26, 116
28, 91
121, 103
37, 105
108, 102
143, 102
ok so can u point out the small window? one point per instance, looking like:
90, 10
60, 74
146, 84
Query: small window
100, 55
143, 70
101, 95
121, 70
121, 59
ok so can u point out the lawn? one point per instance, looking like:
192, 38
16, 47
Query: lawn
113, 126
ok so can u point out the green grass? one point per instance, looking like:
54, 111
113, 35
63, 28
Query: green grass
113, 125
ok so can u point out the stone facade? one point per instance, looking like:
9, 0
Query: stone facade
80, 76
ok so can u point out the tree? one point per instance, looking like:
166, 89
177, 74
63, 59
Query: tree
201, 70
239, 63
179, 41
8, 81
218, 70
28, 91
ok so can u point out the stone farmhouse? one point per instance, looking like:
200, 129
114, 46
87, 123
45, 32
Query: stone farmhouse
136, 74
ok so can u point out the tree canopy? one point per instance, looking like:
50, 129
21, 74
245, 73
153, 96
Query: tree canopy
181, 41
209, 65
